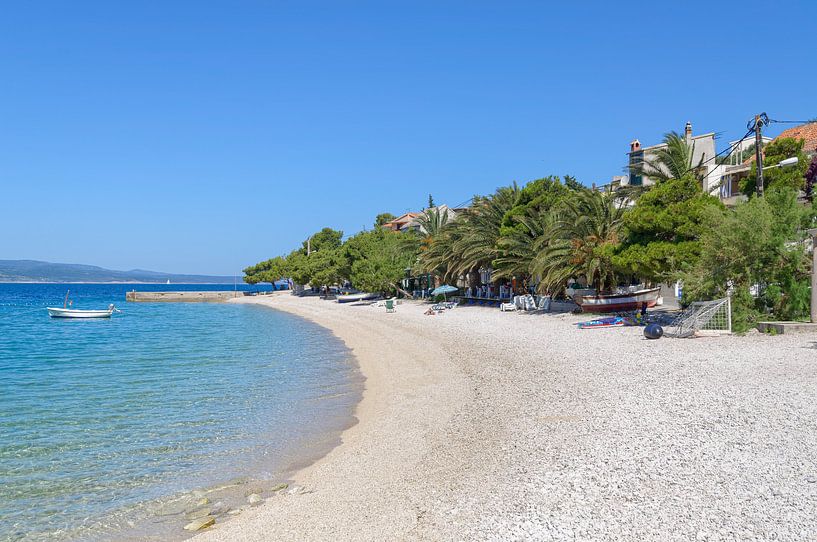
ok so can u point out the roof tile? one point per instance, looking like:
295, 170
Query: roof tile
807, 132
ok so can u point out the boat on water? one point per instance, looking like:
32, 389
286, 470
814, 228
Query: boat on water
56, 312
630, 301
361, 296
65, 312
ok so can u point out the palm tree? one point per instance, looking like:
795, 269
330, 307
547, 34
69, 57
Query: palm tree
580, 241
521, 245
438, 255
462, 246
432, 221
478, 245
672, 161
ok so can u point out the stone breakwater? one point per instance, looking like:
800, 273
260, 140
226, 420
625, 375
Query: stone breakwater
181, 297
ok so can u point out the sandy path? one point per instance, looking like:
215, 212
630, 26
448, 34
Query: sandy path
482, 425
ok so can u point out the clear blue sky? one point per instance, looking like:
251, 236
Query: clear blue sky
204, 136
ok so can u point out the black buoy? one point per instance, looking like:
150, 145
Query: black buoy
653, 331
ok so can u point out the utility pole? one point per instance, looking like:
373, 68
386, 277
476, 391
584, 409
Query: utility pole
309, 246
759, 155
760, 120
813, 233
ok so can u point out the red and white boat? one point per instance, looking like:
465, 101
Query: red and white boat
631, 301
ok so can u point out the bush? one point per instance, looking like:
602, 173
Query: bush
756, 245
744, 311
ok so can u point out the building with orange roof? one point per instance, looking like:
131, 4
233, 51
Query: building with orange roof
806, 132
403, 222
412, 222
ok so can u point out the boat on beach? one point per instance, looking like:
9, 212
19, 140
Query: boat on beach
630, 301
56, 312
362, 296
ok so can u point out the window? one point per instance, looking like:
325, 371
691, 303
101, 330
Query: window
636, 159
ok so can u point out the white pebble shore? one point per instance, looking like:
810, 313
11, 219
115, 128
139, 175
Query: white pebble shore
482, 425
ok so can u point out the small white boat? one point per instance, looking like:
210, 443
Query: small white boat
55, 312
362, 296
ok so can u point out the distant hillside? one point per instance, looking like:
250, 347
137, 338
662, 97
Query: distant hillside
34, 271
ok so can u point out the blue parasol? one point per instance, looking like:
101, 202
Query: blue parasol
444, 289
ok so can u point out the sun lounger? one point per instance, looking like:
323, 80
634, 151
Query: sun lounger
504, 307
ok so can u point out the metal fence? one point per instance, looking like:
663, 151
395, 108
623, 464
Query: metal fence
702, 316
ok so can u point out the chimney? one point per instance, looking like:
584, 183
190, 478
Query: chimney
635, 145
688, 132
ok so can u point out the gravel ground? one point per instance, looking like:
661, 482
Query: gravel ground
482, 425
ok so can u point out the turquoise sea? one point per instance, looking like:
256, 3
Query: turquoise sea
111, 428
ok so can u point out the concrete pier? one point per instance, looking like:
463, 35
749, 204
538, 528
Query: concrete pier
181, 297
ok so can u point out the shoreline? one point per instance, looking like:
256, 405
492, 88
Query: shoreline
478, 424
371, 344
163, 516
179, 404
118, 283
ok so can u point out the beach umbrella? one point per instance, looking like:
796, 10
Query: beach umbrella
444, 289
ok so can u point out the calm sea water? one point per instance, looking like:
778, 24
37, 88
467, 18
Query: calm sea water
106, 425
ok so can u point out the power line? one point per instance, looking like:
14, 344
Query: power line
730, 149
463, 203
791, 121
751, 129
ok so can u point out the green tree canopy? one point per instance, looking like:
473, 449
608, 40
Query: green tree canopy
537, 196
526, 222
296, 266
378, 259
663, 228
382, 218
572, 184
580, 241
266, 271
774, 152
327, 267
758, 244
325, 239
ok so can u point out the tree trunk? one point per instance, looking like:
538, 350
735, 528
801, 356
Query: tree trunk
405, 293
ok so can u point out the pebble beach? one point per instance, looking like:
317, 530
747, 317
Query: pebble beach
482, 425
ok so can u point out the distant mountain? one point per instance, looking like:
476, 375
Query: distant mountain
35, 271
